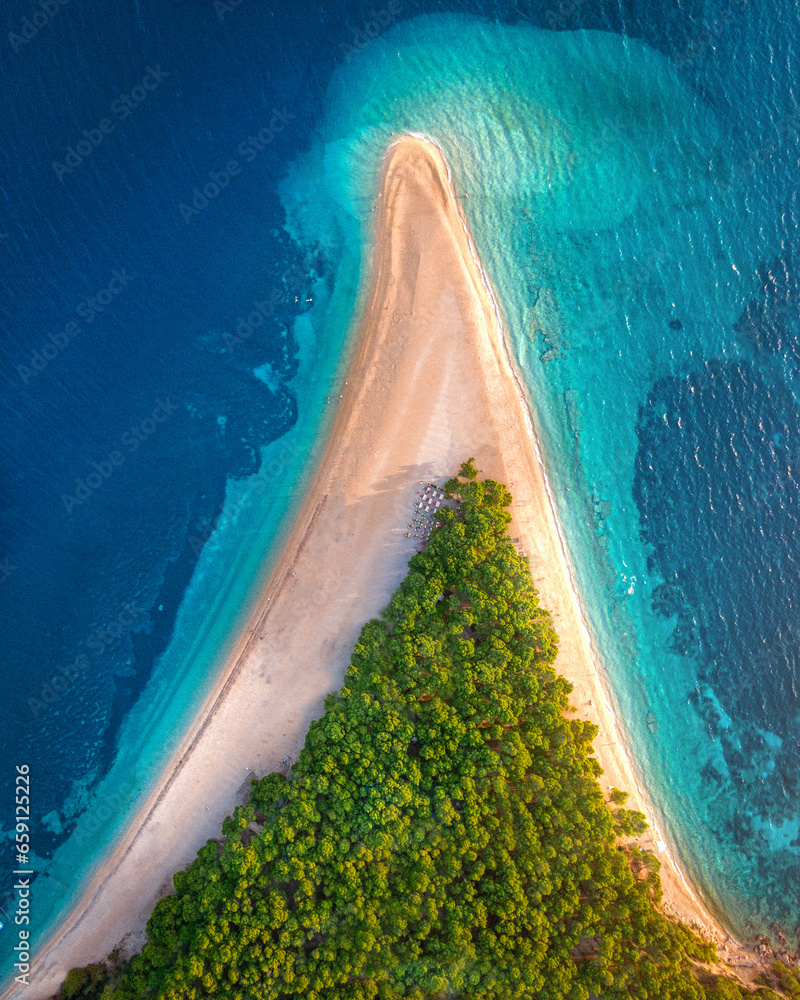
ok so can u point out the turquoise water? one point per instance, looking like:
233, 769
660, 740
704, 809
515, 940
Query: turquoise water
611, 211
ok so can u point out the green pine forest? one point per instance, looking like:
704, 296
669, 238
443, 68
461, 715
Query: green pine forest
443, 833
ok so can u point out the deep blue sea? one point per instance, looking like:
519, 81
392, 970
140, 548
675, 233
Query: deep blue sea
184, 199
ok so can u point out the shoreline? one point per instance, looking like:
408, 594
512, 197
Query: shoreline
638, 795
427, 342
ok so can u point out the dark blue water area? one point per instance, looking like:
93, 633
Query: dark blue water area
128, 402
718, 490
718, 466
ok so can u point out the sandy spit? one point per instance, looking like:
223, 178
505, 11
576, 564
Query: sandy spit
429, 383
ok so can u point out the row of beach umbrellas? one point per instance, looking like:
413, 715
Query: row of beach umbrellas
422, 523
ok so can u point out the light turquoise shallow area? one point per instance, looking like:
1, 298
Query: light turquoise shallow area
600, 204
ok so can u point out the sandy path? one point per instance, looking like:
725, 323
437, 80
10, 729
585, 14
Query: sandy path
428, 385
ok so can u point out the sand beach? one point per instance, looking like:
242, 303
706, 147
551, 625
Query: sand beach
428, 384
